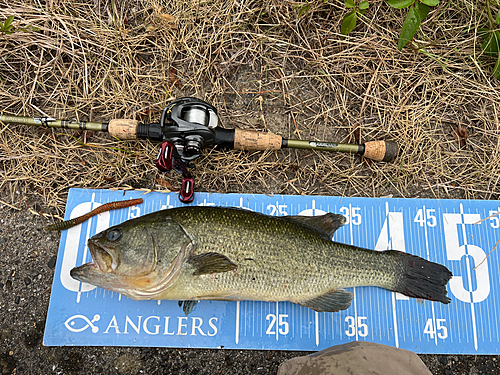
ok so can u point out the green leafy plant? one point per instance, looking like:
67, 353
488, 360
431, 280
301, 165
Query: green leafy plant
349, 21
7, 27
303, 8
418, 10
491, 36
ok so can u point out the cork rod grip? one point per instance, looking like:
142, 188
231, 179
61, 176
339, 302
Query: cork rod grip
381, 150
253, 141
123, 128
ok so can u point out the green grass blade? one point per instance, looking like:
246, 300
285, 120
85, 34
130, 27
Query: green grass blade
491, 44
496, 69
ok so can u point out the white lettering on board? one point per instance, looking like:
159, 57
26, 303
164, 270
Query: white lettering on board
214, 327
136, 328
112, 324
166, 332
151, 325
157, 326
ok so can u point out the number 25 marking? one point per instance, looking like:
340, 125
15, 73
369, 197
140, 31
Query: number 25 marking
282, 324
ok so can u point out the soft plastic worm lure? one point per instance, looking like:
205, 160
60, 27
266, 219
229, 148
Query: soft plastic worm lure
105, 207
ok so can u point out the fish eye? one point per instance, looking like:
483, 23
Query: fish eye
114, 234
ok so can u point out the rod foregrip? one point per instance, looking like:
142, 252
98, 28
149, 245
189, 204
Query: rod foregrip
381, 150
253, 141
123, 128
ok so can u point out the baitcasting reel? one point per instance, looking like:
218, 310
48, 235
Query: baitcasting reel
188, 125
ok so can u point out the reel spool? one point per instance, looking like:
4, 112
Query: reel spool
189, 123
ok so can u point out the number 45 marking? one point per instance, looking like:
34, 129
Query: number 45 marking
426, 217
440, 329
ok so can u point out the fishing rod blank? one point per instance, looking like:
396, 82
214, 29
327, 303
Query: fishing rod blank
192, 124
53, 123
188, 125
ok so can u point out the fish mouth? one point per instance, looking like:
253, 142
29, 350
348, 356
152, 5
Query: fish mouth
102, 262
101, 258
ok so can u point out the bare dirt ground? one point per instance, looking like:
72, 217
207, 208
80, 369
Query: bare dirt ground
266, 66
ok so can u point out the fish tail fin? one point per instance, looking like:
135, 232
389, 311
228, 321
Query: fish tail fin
420, 278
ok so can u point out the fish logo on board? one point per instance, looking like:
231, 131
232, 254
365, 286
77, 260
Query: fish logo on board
71, 323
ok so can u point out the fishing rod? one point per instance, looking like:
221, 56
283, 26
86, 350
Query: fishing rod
188, 125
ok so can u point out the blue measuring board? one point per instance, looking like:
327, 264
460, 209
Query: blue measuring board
448, 232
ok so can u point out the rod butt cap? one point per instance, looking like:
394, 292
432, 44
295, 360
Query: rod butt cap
381, 150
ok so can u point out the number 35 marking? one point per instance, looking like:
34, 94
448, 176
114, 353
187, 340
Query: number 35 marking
352, 214
362, 327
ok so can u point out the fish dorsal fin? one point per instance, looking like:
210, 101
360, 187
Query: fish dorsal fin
208, 263
327, 223
332, 301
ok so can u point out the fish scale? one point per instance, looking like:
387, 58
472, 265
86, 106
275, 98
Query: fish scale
276, 249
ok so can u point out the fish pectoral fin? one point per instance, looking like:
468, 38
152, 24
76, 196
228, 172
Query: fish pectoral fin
208, 263
187, 306
332, 301
326, 224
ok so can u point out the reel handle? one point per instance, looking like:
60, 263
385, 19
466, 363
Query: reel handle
168, 159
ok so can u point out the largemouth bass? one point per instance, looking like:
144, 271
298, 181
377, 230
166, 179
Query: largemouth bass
199, 253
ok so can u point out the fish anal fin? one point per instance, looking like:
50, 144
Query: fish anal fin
208, 263
332, 301
327, 223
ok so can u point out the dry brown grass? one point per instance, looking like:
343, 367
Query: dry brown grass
263, 67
